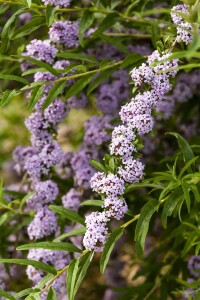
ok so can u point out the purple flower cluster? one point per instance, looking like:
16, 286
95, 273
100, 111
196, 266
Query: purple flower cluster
60, 3
136, 117
179, 16
41, 50
72, 199
65, 33
194, 266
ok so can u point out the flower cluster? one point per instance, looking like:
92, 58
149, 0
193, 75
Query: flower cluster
60, 3
180, 14
136, 116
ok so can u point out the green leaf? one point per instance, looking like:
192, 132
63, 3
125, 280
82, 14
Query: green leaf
98, 166
170, 205
186, 188
77, 56
27, 262
78, 86
28, 3
36, 94
131, 59
143, 225
68, 214
98, 80
6, 295
51, 246
185, 147
109, 245
14, 78
83, 267
189, 244
107, 22
35, 23
41, 64
51, 294
85, 22
155, 33
71, 278
54, 92
74, 232
26, 292
76, 273
7, 31
7, 97
187, 166
50, 14
92, 203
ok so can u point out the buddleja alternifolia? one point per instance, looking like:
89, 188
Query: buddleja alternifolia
102, 82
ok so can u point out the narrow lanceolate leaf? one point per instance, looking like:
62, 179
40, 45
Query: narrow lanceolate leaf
109, 245
76, 273
14, 78
143, 225
54, 92
186, 149
83, 267
51, 294
86, 21
50, 14
79, 85
189, 243
41, 64
98, 80
36, 93
27, 262
51, 246
170, 205
68, 214
26, 292
7, 31
6, 295
131, 59
71, 277
98, 166
7, 97
28, 3
77, 56
74, 232
92, 203
107, 22
35, 23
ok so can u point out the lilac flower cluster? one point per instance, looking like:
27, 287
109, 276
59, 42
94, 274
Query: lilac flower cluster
180, 14
60, 3
136, 117
65, 33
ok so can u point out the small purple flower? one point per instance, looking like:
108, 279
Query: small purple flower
194, 266
72, 199
143, 123
42, 50
132, 170
97, 232
107, 184
55, 112
115, 208
65, 33
43, 224
60, 3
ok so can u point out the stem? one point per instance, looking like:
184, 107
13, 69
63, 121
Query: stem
77, 9
60, 273
136, 35
131, 221
88, 72
78, 75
